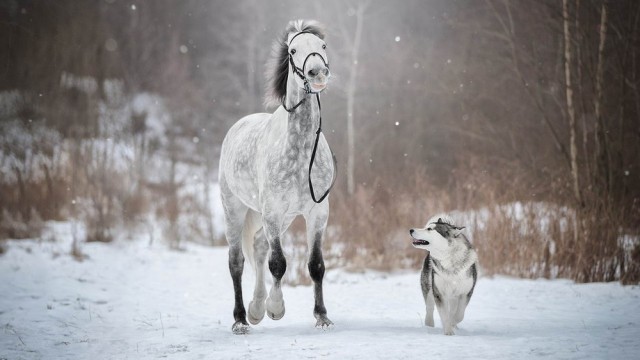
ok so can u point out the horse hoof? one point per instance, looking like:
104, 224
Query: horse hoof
275, 310
240, 328
324, 323
275, 316
255, 320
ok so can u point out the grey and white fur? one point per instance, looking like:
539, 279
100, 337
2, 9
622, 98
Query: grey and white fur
449, 272
263, 176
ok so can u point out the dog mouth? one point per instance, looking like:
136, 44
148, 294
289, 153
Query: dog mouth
420, 242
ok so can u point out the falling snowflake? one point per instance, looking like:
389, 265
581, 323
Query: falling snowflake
397, 123
397, 38
133, 7
111, 44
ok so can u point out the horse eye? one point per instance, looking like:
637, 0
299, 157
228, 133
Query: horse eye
293, 51
324, 46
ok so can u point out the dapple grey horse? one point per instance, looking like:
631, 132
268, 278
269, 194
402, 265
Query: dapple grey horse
265, 176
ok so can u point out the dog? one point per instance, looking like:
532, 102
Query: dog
449, 272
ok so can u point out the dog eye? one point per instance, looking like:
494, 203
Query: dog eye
293, 51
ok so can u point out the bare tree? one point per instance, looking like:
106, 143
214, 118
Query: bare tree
351, 93
573, 148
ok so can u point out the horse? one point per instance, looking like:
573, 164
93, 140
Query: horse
269, 164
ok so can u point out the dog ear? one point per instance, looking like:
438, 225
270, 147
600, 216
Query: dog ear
457, 230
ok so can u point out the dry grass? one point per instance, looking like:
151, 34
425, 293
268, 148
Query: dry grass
524, 239
368, 230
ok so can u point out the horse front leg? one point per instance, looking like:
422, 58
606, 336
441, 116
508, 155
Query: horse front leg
277, 267
257, 305
316, 223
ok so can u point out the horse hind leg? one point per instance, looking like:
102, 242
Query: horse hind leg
234, 214
257, 305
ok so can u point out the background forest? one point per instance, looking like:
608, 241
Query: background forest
522, 118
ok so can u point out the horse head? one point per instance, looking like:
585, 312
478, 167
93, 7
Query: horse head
301, 52
309, 50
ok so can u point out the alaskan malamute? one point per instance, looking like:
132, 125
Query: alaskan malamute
449, 272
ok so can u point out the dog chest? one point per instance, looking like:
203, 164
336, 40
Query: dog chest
450, 285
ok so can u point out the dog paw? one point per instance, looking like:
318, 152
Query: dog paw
240, 328
449, 332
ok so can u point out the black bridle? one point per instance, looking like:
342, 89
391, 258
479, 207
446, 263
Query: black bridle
307, 89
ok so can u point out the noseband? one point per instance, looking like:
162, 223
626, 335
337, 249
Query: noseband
307, 89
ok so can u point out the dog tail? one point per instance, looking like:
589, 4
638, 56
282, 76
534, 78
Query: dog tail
252, 223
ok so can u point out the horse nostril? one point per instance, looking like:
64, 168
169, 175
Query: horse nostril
313, 72
325, 72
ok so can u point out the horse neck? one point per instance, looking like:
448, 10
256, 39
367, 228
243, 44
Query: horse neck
304, 120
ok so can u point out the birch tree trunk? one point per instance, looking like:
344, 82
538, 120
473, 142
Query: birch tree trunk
351, 93
599, 128
573, 149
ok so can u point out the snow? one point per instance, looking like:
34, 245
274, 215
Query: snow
129, 300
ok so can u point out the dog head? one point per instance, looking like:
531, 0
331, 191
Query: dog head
437, 236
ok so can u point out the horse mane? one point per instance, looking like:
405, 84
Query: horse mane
277, 69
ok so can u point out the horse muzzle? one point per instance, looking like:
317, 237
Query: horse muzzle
318, 78
318, 87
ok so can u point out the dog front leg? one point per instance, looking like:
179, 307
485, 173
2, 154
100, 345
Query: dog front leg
430, 304
446, 315
462, 305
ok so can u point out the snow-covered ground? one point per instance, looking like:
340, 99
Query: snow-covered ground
131, 301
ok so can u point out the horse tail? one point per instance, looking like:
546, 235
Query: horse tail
252, 223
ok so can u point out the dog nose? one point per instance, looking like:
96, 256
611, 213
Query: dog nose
411, 232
